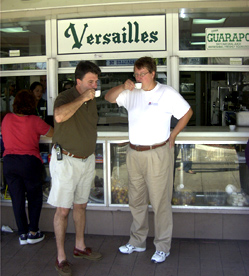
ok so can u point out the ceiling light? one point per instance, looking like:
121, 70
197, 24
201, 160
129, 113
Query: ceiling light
182, 14
198, 43
14, 30
198, 34
209, 21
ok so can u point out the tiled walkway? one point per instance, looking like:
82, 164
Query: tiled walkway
188, 258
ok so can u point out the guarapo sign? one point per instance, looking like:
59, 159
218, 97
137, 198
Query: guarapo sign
111, 34
227, 38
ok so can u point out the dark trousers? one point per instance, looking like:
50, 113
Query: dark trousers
23, 175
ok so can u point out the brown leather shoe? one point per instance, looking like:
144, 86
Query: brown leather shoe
87, 253
63, 268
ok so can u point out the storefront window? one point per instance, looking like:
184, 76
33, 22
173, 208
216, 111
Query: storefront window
214, 60
24, 66
24, 38
192, 27
12, 84
109, 113
215, 97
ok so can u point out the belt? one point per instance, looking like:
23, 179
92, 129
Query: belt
143, 148
72, 155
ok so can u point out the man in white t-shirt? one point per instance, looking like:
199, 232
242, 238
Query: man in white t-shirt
150, 156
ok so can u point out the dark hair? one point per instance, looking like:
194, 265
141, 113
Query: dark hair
34, 85
147, 62
85, 67
24, 103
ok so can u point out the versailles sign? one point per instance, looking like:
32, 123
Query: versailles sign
227, 38
112, 34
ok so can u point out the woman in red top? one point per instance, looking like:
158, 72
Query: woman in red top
22, 164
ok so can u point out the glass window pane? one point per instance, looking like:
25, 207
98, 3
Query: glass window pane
119, 174
24, 66
210, 175
214, 95
11, 85
109, 113
204, 175
214, 60
192, 32
24, 38
111, 62
97, 189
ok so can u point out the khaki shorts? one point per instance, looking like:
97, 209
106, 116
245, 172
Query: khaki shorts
71, 180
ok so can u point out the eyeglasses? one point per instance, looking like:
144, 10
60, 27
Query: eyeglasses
141, 75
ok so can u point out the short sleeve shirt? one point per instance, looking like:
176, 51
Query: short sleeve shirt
150, 112
78, 134
21, 134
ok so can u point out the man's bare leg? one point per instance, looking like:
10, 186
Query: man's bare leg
79, 216
60, 227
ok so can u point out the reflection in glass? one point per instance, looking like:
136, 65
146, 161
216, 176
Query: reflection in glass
192, 27
23, 38
119, 175
213, 61
215, 95
11, 85
97, 189
211, 175
204, 175
109, 113
111, 62
24, 66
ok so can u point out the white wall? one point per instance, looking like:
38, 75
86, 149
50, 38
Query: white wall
13, 9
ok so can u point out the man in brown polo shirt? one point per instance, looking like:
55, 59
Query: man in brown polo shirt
73, 162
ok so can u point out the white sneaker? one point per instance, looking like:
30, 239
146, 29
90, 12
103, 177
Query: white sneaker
128, 249
159, 257
38, 237
23, 239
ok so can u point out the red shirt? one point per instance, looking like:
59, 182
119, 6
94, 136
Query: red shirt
21, 134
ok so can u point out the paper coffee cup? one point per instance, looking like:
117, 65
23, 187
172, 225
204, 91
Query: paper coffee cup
97, 93
232, 127
138, 85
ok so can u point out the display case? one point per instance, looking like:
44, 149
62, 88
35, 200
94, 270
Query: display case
118, 173
97, 193
210, 204
210, 169
204, 175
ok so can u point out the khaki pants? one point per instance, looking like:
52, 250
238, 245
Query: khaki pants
151, 181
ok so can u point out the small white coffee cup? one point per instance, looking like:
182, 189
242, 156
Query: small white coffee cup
232, 127
138, 85
97, 93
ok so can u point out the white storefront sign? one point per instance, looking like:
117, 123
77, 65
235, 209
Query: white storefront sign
112, 34
227, 38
